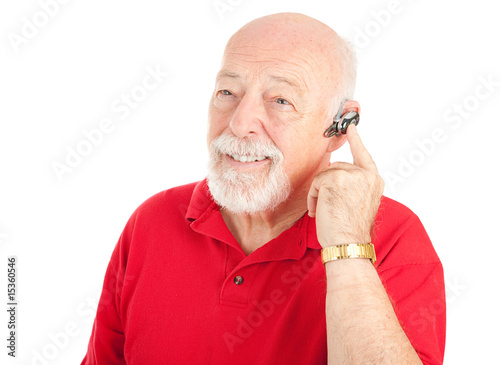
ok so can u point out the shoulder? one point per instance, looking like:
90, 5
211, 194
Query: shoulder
400, 237
392, 211
166, 208
156, 226
157, 215
167, 202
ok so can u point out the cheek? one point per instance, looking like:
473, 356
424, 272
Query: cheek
303, 152
296, 152
284, 122
217, 123
301, 140
285, 131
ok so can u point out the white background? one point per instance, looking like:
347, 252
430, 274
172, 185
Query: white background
417, 61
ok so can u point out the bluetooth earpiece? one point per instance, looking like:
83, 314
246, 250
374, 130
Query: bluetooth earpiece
341, 123
340, 126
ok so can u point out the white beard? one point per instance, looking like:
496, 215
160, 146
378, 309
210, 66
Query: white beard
246, 192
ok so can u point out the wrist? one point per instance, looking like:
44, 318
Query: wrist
343, 240
348, 251
348, 275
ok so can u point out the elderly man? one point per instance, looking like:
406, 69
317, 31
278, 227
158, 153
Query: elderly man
270, 259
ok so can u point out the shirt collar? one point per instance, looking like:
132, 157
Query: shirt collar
205, 217
201, 200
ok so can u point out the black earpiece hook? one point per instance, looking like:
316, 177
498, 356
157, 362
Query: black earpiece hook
341, 123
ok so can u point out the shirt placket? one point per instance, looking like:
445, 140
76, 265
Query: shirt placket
237, 286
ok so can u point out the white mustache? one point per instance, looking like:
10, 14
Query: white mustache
246, 192
231, 145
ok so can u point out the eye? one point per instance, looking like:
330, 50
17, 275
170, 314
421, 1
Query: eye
224, 96
282, 101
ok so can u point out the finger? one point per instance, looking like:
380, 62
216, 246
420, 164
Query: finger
312, 198
339, 165
361, 156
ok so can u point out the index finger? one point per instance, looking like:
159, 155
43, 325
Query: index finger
361, 156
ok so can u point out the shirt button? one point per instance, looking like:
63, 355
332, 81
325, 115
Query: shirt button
238, 280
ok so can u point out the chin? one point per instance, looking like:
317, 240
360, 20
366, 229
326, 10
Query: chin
248, 193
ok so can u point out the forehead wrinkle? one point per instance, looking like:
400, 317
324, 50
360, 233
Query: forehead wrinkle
295, 80
258, 58
255, 52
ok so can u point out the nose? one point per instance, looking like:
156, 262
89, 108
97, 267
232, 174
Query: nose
248, 117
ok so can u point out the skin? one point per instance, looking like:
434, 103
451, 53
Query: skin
276, 84
254, 110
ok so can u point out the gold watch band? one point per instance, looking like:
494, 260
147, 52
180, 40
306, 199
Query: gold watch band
351, 250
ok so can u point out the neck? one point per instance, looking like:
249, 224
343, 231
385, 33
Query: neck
252, 231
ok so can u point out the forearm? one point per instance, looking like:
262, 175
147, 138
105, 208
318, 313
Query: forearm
362, 327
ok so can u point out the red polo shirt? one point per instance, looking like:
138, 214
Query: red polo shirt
180, 290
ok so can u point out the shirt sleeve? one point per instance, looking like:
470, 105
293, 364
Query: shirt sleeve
413, 277
420, 307
107, 339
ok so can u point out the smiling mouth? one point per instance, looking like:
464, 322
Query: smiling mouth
248, 158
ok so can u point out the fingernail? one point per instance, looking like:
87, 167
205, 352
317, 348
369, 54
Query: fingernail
354, 129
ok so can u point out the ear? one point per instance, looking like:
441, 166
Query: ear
337, 141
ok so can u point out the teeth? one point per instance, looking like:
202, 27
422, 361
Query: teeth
248, 158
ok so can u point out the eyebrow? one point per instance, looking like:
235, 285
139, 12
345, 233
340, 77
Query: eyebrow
281, 79
225, 73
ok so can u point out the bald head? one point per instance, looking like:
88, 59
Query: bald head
327, 58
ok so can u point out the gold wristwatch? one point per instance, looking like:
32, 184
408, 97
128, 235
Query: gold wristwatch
348, 251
